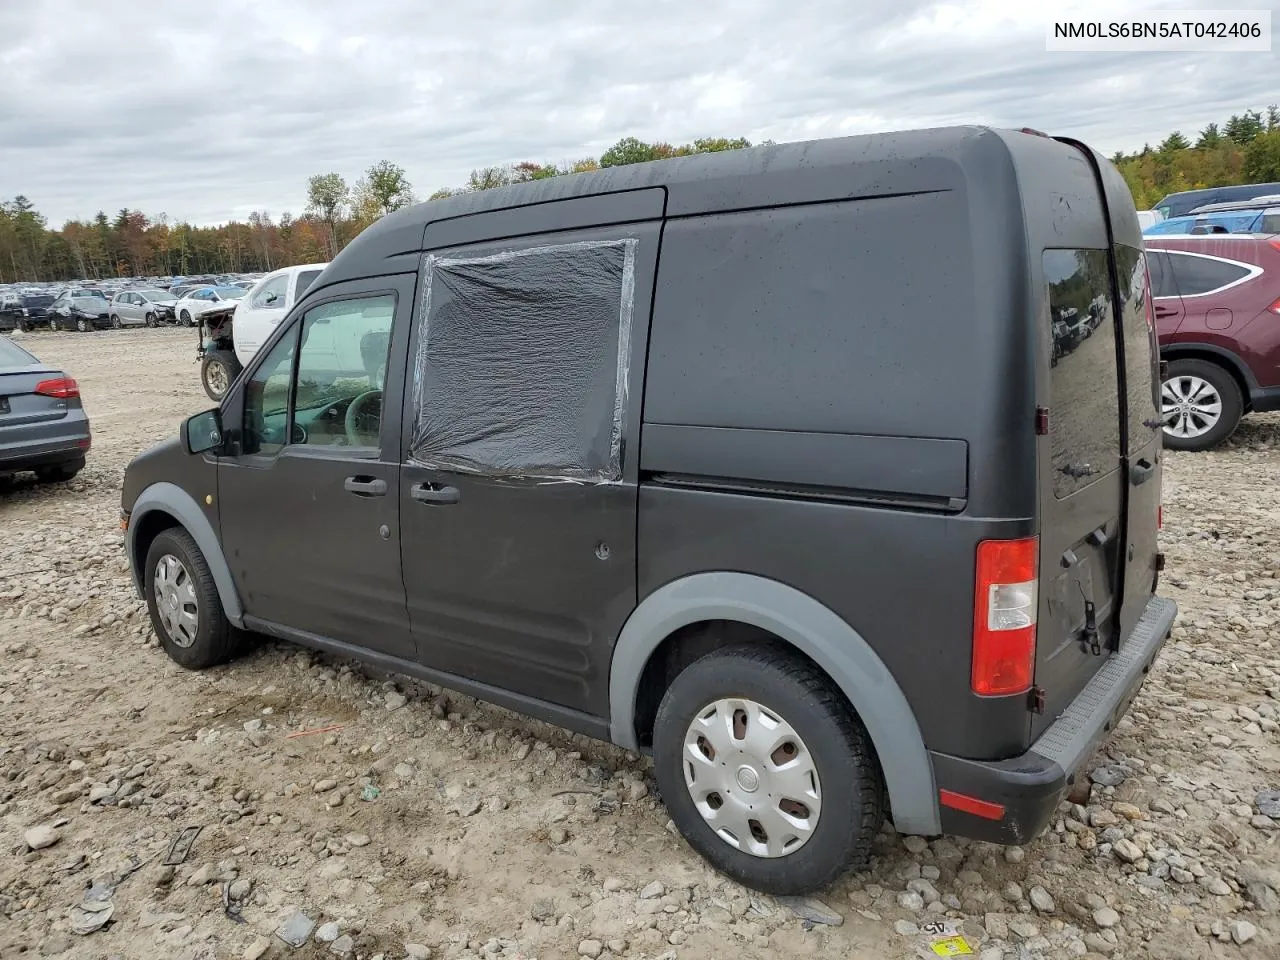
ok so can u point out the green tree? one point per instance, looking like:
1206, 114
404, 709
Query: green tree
1210, 137
628, 150
327, 194
487, 178
1175, 141
1262, 157
385, 187
1242, 128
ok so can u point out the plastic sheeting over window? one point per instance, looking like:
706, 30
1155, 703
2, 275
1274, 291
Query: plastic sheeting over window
521, 368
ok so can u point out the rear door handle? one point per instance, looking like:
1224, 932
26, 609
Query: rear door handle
434, 493
1141, 472
365, 486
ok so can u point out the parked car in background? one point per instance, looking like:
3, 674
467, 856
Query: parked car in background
25, 311
43, 426
75, 309
819, 590
1177, 204
1227, 218
1147, 217
1217, 307
142, 307
228, 340
194, 303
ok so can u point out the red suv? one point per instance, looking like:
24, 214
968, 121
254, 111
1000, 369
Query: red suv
1217, 307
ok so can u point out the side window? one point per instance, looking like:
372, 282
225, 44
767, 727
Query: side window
1084, 385
272, 293
266, 404
1198, 275
520, 368
341, 370
1162, 284
1139, 346
305, 279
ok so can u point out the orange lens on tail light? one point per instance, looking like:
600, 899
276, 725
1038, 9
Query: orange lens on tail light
1005, 607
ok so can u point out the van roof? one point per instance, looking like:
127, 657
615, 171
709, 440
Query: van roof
973, 159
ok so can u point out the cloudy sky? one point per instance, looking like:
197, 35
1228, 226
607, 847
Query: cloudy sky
206, 111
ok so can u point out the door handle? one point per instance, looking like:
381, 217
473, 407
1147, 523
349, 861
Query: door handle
1165, 311
434, 493
1141, 472
365, 486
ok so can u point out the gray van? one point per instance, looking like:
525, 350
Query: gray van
764, 462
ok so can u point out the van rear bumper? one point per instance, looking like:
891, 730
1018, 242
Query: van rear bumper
1030, 787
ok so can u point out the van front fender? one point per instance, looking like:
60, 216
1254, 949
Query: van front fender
815, 631
171, 499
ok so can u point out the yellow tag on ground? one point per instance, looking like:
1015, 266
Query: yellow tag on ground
951, 947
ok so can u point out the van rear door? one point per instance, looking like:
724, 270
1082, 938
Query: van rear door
1099, 471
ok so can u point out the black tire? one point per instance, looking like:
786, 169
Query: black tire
59, 473
1232, 402
185, 318
20, 326
852, 787
55, 325
216, 640
218, 371
115, 322
83, 325
151, 319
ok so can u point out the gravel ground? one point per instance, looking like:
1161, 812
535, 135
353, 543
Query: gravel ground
406, 821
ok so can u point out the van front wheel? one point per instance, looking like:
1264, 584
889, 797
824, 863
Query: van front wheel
765, 770
1200, 405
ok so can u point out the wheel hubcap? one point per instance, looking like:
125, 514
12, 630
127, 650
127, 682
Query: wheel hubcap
751, 777
176, 603
1189, 406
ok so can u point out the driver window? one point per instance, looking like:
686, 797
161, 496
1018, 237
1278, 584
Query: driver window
272, 292
266, 406
341, 369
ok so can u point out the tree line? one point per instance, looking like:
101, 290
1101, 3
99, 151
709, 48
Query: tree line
1245, 149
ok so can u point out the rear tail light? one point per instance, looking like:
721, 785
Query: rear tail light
1004, 616
1275, 307
64, 388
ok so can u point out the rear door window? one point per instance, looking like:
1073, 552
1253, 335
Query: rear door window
305, 279
1161, 274
1196, 275
1084, 386
1139, 347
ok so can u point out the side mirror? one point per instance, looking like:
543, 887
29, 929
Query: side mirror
202, 432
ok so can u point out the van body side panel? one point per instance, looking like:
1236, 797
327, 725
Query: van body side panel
859, 344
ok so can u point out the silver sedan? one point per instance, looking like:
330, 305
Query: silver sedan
133, 308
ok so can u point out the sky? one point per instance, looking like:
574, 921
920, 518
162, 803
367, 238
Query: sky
205, 112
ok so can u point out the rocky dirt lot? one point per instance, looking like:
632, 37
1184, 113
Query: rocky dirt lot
405, 821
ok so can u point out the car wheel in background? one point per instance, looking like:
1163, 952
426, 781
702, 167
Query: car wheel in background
766, 771
218, 371
185, 318
182, 599
151, 319
59, 473
83, 325
1200, 404
55, 324
20, 326
115, 322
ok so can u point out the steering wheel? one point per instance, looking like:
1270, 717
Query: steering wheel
355, 410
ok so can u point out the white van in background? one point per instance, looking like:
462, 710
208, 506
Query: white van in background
266, 305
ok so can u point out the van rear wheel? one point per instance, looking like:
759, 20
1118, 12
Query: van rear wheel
765, 770
1200, 405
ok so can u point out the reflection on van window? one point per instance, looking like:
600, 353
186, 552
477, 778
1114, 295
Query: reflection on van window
341, 369
1084, 387
1139, 352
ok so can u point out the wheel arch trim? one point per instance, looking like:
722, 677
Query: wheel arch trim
814, 630
177, 503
